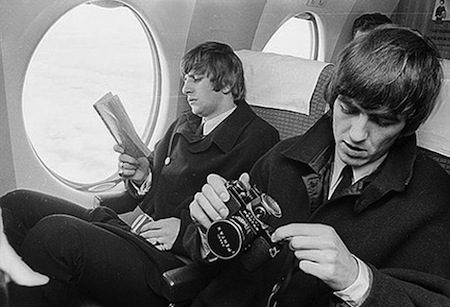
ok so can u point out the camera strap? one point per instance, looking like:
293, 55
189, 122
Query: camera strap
290, 266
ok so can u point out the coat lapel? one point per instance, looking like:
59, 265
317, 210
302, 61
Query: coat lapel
223, 136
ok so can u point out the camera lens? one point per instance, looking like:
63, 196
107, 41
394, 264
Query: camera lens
225, 238
271, 205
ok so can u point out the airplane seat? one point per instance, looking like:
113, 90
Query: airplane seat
286, 91
433, 137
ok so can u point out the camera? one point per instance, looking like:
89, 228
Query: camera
245, 229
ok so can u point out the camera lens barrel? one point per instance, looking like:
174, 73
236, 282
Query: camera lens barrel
226, 238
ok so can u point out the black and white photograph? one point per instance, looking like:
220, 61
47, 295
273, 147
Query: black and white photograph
224, 153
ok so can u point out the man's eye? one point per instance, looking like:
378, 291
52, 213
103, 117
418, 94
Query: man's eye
193, 78
384, 122
346, 109
197, 78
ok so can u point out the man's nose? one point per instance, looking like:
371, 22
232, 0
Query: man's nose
187, 88
358, 130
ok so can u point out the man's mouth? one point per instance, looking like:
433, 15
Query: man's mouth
353, 148
353, 151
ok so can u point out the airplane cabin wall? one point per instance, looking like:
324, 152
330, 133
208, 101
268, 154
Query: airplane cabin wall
336, 18
23, 23
7, 177
415, 14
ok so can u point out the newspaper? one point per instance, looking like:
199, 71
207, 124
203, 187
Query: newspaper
116, 119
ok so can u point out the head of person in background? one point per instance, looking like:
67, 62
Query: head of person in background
367, 22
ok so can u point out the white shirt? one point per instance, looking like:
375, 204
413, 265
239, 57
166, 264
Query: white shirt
355, 294
210, 124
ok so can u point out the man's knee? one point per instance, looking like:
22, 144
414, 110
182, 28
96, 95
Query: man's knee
14, 197
55, 235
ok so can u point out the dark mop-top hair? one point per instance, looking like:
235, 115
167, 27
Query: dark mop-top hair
218, 62
391, 70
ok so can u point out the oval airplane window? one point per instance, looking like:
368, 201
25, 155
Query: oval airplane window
298, 36
91, 50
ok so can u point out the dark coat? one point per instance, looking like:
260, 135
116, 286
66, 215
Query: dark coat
399, 225
229, 150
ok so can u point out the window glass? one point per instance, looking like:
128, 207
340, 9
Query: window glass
296, 37
90, 51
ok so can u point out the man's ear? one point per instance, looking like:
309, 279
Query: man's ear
226, 89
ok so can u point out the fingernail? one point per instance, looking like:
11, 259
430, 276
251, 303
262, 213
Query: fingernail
223, 212
224, 196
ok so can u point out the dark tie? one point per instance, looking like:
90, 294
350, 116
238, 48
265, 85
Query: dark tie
346, 181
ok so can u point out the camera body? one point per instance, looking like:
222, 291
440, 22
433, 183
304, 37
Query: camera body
245, 229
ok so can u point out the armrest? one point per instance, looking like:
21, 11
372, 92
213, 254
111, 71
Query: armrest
120, 202
186, 282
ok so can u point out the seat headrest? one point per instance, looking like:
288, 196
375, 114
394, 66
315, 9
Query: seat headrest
434, 134
280, 81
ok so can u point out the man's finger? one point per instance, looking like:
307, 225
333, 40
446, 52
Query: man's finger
212, 203
119, 149
300, 229
198, 215
218, 184
245, 179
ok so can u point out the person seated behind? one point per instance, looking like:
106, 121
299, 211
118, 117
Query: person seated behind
380, 241
367, 22
91, 252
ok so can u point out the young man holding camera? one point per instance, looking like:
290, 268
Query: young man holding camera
380, 241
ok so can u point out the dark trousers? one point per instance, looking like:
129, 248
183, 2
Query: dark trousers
57, 238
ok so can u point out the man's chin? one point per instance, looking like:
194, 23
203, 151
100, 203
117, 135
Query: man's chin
195, 111
353, 161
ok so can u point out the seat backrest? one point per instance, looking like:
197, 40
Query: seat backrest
286, 91
434, 135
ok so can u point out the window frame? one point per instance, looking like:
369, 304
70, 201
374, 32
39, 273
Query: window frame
315, 42
113, 180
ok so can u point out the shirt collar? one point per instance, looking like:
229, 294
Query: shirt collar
358, 173
210, 124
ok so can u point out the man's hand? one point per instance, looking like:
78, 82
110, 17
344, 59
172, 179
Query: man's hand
135, 169
162, 233
321, 253
209, 204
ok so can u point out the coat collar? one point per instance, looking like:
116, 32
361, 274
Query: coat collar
224, 136
316, 147
393, 175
